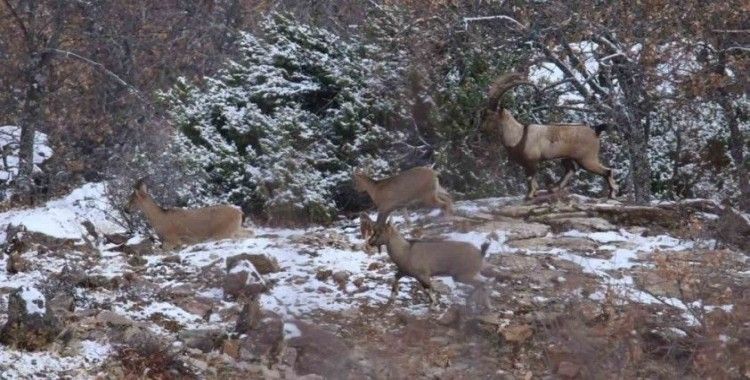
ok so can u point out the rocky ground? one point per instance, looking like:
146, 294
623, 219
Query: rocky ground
578, 288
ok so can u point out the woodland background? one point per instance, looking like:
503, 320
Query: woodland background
272, 104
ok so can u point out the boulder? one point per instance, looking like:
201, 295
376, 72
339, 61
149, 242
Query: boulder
265, 340
321, 352
249, 318
242, 281
16, 263
205, 340
262, 263
31, 324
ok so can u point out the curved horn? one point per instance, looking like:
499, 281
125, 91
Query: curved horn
502, 85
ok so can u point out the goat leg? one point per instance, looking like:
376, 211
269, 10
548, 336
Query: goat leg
394, 289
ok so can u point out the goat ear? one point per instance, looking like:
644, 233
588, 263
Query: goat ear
141, 185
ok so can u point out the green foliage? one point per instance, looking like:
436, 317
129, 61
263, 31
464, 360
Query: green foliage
280, 129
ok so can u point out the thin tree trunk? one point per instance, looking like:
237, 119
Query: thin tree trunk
29, 120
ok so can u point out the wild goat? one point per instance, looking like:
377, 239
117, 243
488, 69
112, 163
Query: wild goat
422, 259
367, 229
187, 226
416, 185
527, 145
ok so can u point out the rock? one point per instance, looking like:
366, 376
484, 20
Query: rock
31, 324
514, 229
143, 248
262, 263
241, 285
200, 306
117, 239
137, 261
517, 333
172, 259
62, 304
265, 340
568, 370
734, 228
340, 278
375, 266
249, 317
90, 229
231, 347
98, 281
205, 340
16, 263
323, 274
113, 319
568, 243
451, 317
586, 224
320, 352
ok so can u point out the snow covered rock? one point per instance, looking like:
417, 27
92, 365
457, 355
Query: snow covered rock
262, 263
31, 324
242, 281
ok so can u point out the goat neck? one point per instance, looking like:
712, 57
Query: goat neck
512, 130
154, 213
398, 248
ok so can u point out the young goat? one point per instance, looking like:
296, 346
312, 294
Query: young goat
416, 185
187, 226
527, 145
367, 229
422, 259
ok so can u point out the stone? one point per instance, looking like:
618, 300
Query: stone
200, 306
586, 224
265, 340
113, 319
205, 340
249, 317
31, 324
242, 285
320, 352
137, 261
568, 370
341, 278
514, 229
117, 239
517, 333
172, 259
231, 347
16, 263
262, 263
323, 274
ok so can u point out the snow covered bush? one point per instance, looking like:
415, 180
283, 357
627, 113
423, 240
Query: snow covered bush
280, 129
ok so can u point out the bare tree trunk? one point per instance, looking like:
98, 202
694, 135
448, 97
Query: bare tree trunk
30, 118
736, 138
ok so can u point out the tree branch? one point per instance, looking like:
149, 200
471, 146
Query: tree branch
18, 20
101, 68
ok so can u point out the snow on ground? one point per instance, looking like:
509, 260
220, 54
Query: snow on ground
62, 218
295, 292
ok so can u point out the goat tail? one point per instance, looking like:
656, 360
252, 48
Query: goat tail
485, 247
599, 128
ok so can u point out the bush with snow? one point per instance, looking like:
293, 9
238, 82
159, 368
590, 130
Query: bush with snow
280, 129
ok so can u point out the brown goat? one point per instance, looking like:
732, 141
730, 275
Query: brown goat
527, 145
187, 226
416, 185
422, 259
367, 229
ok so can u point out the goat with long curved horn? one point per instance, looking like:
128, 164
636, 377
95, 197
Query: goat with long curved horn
575, 144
